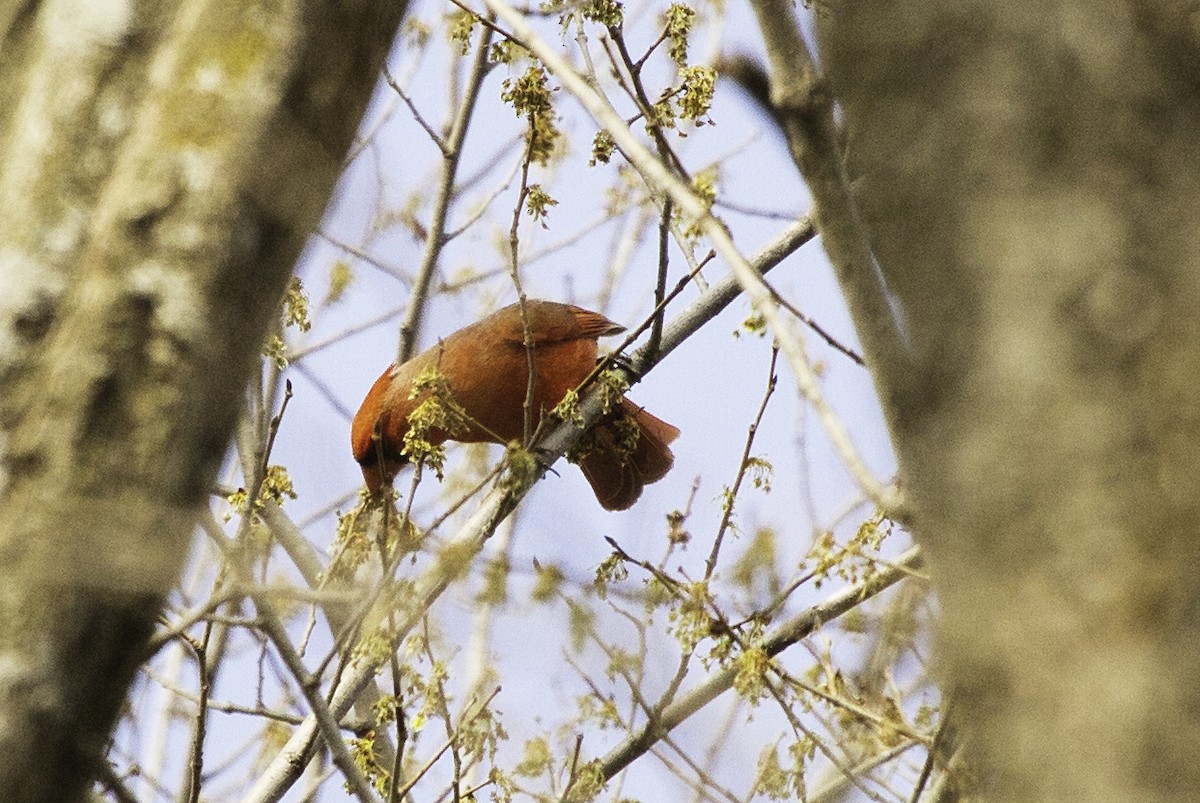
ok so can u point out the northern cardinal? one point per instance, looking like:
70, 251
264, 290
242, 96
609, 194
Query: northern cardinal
486, 369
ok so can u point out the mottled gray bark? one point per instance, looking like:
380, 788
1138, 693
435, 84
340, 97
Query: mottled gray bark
161, 164
1031, 182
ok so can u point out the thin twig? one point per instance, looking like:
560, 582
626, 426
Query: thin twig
829, 339
710, 563
358, 253
433, 135
931, 756
200, 649
514, 268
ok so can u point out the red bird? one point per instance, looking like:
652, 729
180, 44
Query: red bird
486, 369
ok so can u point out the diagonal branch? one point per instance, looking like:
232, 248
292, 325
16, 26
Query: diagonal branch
801, 102
436, 238
793, 630
659, 177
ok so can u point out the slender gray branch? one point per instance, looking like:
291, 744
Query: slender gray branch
793, 630
435, 239
803, 105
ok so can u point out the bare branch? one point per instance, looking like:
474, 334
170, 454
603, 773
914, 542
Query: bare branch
793, 630
435, 238
804, 107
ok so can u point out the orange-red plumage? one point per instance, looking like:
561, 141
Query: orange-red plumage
487, 369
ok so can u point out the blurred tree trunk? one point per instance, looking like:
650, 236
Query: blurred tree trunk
1031, 180
161, 165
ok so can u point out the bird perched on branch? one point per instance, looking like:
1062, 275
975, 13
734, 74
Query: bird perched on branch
472, 387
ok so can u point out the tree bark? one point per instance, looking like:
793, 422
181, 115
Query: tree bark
161, 165
1032, 186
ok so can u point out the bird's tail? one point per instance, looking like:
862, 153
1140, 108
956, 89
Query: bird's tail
617, 469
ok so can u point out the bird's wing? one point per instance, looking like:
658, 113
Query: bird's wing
556, 323
593, 324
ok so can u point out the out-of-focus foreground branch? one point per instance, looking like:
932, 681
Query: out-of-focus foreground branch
162, 166
1031, 194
